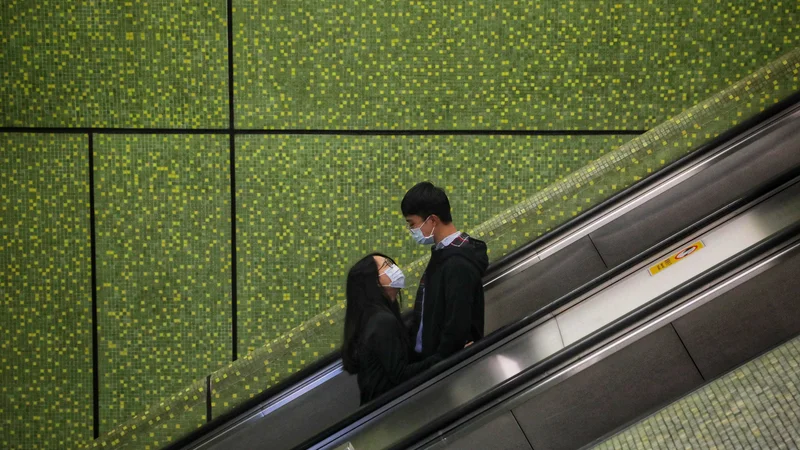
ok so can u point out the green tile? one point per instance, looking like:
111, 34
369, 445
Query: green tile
104, 63
288, 185
457, 64
163, 266
272, 363
162, 424
45, 292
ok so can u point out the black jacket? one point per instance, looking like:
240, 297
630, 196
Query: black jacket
383, 357
452, 291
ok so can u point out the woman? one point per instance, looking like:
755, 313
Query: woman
376, 342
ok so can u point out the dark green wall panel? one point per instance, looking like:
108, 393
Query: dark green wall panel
453, 64
45, 292
109, 63
162, 207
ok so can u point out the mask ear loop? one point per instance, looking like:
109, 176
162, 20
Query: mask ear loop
423, 224
384, 273
432, 231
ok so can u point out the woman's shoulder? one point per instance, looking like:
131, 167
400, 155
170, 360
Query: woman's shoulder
380, 322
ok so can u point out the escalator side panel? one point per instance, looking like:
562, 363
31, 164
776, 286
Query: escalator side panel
781, 210
625, 237
500, 433
300, 418
770, 290
750, 318
648, 373
530, 289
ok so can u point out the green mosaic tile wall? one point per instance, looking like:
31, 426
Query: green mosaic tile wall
455, 64
754, 406
103, 63
309, 206
394, 65
163, 226
45, 268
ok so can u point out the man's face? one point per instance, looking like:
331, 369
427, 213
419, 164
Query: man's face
415, 221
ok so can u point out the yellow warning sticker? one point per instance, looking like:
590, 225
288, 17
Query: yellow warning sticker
676, 258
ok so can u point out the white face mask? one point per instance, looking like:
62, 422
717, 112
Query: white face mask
398, 280
421, 239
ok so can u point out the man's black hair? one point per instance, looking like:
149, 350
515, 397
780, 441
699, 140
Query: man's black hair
425, 199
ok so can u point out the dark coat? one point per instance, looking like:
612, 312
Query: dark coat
450, 300
383, 354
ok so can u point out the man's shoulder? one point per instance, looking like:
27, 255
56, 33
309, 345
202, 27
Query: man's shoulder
468, 253
459, 265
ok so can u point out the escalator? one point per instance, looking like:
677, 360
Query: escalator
622, 356
728, 294
553, 302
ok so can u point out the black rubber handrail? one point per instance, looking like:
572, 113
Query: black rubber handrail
737, 262
509, 330
495, 268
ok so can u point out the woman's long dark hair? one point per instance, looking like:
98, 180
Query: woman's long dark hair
365, 297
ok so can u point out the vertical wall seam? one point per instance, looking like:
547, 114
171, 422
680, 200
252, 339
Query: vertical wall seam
93, 246
232, 155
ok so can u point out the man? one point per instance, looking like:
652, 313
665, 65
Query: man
448, 311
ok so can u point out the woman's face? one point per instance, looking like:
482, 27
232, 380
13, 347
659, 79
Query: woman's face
384, 264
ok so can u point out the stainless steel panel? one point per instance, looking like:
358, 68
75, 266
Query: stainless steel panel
646, 374
501, 432
659, 320
636, 332
461, 387
299, 418
745, 321
720, 243
773, 154
528, 290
